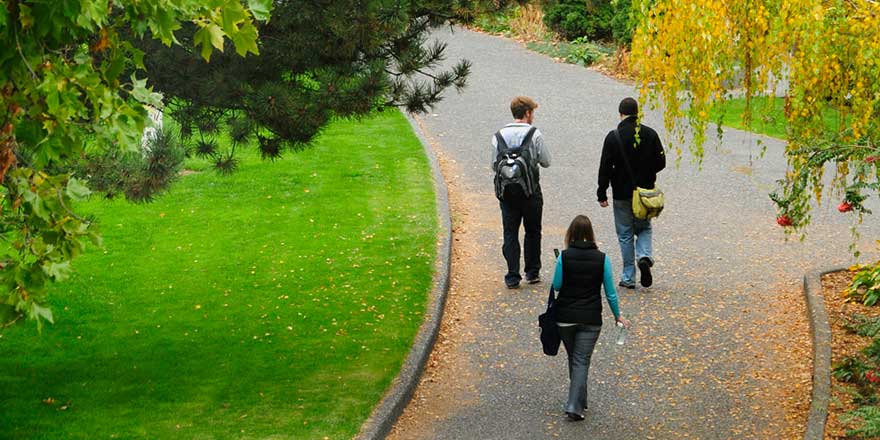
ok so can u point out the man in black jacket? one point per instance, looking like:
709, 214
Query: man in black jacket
645, 157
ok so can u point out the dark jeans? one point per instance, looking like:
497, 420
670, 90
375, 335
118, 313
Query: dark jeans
579, 341
528, 212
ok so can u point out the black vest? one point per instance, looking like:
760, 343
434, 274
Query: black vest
580, 300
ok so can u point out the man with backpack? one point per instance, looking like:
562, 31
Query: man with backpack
631, 157
518, 150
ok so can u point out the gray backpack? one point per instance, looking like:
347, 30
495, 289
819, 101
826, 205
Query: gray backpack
514, 177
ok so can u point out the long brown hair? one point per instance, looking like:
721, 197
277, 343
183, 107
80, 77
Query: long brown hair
580, 229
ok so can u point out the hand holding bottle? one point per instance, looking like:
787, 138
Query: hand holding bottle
622, 327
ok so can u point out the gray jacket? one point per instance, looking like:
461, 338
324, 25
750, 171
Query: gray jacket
513, 134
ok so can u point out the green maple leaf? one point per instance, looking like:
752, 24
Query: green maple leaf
76, 190
59, 271
209, 37
261, 9
246, 40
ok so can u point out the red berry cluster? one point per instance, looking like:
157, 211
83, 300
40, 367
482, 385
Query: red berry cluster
784, 221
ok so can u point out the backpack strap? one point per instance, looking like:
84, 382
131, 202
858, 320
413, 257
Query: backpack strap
528, 137
500, 148
526, 153
501, 144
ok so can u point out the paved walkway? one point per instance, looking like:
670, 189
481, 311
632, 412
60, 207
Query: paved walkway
720, 345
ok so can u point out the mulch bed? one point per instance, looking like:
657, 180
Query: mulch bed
843, 344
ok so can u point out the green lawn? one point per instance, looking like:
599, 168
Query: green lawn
768, 116
278, 302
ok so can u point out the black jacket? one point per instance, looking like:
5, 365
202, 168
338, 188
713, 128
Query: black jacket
579, 300
646, 160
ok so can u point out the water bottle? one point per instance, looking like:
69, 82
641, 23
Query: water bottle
621, 333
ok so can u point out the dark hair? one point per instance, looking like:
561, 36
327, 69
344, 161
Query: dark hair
520, 105
580, 229
628, 107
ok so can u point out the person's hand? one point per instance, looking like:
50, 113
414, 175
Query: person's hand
624, 321
604, 203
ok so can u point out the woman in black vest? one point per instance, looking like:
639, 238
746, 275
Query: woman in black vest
580, 271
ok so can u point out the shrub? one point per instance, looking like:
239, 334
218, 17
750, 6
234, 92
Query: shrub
867, 420
139, 175
850, 369
527, 22
493, 21
863, 325
863, 370
865, 285
622, 24
496, 5
583, 52
572, 19
594, 19
524, 21
579, 51
873, 351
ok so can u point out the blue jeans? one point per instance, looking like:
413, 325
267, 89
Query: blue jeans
634, 236
579, 341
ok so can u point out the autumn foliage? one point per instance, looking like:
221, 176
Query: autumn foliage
693, 54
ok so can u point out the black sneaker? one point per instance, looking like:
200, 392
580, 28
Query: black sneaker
574, 417
533, 280
513, 285
627, 285
645, 269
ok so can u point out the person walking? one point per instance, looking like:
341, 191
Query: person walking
637, 147
518, 150
580, 271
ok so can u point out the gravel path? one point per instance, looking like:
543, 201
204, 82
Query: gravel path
720, 345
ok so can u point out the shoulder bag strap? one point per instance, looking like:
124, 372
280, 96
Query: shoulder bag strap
632, 176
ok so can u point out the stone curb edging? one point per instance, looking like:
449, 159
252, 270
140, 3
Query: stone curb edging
386, 413
820, 331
